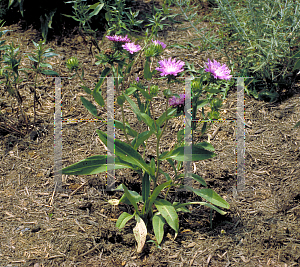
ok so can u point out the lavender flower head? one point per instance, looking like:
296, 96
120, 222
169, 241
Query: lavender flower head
174, 101
218, 71
170, 67
137, 79
131, 47
117, 38
156, 42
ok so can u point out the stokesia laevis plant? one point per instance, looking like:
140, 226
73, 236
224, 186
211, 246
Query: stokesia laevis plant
127, 155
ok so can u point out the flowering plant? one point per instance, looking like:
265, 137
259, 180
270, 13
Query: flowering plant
126, 155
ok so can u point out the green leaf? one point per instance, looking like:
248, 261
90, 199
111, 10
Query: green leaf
165, 174
297, 124
130, 90
90, 106
145, 94
180, 208
202, 103
182, 205
198, 153
32, 58
211, 196
50, 72
147, 72
171, 162
123, 219
98, 98
125, 152
180, 135
103, 76
206, 145
195, 177
131, 199
86, 89
156, 192
145, 187
50, 54
128, 129
166, 115
158, 223
297, 65
95, 164
97, 7
212, 91
137, 141
169, 213
136, 196
120, 100
144, 116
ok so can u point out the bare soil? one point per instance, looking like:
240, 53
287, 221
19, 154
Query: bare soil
76, 227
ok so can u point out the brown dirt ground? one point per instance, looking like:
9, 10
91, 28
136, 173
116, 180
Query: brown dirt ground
40, 227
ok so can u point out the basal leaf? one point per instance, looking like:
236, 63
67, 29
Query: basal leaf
158, 223
167, 210
123, 219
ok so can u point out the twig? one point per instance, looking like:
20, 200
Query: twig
215, 133
52, 197
79, 225
78, 188
92, 249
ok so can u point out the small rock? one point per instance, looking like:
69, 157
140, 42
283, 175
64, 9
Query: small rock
278, 114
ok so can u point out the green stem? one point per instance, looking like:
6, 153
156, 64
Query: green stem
157, 147
124, 127
34, 97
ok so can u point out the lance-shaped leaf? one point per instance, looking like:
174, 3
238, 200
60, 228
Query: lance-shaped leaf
98, 98
123, 219
94, 165
165, 174
128, 129
210, 195
133, 201
179, 206
198, 153
126, 152
155, 194
145, 187
100, 82
147, 72
158, 223
135, 196
143, 116
145, 93
195, 177
90, 106
136, 142
166, 115
86, 89
167, 210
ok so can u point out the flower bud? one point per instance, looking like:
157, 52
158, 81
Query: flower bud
72, 64
154, 90
196, 85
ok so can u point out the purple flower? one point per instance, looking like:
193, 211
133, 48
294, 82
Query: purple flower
156, 42
218, 71
137, 79
131, 47
174, 101
117, 38
170, 67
